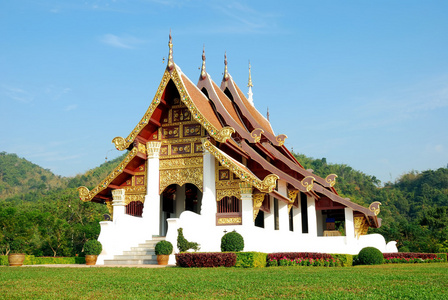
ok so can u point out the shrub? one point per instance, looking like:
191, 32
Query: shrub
92, 247
183, 244
32, 260
232, 242
201, 260
250, 259
346, 260
409, 257
164, 248
296, 255
370, 256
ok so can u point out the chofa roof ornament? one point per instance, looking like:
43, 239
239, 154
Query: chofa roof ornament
170, 64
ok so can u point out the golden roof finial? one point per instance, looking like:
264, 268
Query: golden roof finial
226, 73
170, 65
203, 72
249, 84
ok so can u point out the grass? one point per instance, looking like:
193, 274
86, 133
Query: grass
420, 281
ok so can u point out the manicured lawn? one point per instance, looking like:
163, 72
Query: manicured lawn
420, 281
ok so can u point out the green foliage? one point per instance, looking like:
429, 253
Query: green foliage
183, 244
250, 259
164, 248
370, 256
232, 242
346, 260
443, 256
93, 247
32, 260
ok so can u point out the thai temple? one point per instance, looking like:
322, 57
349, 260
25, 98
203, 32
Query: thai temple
204, 159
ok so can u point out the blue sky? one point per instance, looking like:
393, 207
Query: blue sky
363, 83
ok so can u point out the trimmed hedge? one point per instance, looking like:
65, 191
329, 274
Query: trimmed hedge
409, 257
346, 260
205, 260
250, 259
297, 255
32, 260
232, 242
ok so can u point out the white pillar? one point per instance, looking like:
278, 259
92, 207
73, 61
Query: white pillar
247, 208
118, 203
269, 219
297, 217
311, 210
151, 209
283, 215
208, 205
349, 224
179, 202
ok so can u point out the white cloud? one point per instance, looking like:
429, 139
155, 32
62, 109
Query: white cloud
71, 107
17, 94
125, 42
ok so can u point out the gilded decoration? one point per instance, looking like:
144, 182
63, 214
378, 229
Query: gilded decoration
121, 143
267, 185
181, 177
134, 189
245, 188
281, 139
86, 195
258, 201
308, 182
181, 163
118, 196
220, 194
361, 226
229, 221
219, 135
141, 148
153, 149
331, 179
375, 207
292, 195
132, 198
256, 134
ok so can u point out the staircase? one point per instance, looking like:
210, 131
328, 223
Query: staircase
143, 254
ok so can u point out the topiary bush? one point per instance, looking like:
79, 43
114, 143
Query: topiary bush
183, 244
164, 248
232, 242
370, 256
93, 247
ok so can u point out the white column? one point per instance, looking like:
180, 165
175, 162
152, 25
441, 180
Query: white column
208, 205
179, 202
118, 203
297, 217
349, 224
283, 215
247, 208
269, 217
311, 210
151, 209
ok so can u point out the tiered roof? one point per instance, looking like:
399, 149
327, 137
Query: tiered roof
235, 130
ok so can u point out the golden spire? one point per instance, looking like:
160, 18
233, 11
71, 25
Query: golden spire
226, 73
203, 72
249, 84
170, 65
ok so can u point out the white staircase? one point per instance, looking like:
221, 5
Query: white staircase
143, 254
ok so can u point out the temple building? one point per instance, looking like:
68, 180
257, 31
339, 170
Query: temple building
203, 158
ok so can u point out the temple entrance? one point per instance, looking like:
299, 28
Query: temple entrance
176, 199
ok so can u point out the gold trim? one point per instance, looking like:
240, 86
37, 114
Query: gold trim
292, 195
281, 139
181, 177
131, 198
361, 226
256, 134
181, 163
267, 185
331, 179
229, 221
375, 207
308, 182
258, 201
220, 194
85, 195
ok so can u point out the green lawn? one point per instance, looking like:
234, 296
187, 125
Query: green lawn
420, 281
